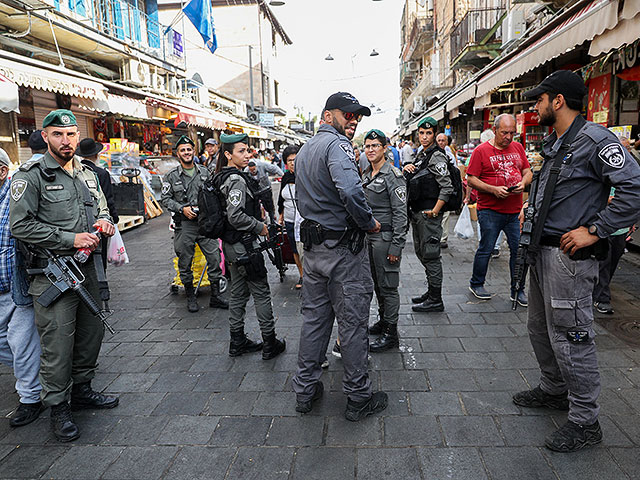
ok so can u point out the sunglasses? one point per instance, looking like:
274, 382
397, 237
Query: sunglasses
348, 116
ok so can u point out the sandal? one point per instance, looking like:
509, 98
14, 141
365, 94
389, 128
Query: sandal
299, 284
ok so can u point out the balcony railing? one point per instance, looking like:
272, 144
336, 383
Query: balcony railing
477, 27
120, 20
421, 28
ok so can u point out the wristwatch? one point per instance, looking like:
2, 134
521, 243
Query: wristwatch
593, 230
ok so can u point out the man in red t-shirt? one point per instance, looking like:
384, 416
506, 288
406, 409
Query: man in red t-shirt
499, 171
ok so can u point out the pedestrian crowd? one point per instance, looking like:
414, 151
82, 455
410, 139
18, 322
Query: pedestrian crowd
346, 211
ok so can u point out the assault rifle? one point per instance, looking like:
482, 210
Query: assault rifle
64, 274
272, 245
522, 266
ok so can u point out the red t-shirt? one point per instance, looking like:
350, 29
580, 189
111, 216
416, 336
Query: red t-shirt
499, 167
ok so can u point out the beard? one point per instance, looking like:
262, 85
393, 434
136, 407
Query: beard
547, 118
63, 155
338, 127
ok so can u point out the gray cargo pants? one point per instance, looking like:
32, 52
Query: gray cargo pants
386, 278
560, 299
337, 284
427, 233
184, 243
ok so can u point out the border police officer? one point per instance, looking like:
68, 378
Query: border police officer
429, 187
561, 283
336, 266
180, 196
386, 191
48, 210
239, 243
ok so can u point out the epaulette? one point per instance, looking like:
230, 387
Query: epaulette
396, 171
25, 167
598, 133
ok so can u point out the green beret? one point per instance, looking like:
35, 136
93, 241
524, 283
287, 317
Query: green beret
375, 134
60, 118
428, 122
238, 137
184, 139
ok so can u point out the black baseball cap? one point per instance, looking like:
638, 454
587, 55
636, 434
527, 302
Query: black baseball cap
36, 142
566, 82
347, 103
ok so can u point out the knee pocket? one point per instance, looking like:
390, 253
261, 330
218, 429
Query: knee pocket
571, 313
431, 248
356, 299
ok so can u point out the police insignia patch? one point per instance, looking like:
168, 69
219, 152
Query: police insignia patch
166, 186
612, 155
235, 196
18, 187
346, 148
401, 193
441, 168
92, 184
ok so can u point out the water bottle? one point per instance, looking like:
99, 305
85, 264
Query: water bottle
83, 254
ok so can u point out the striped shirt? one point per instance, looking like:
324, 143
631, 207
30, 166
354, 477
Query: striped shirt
7, 251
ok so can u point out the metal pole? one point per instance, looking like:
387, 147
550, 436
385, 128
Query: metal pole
251, 75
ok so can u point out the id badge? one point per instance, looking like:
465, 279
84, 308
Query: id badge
577, 335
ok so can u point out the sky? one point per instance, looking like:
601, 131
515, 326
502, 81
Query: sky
348, 30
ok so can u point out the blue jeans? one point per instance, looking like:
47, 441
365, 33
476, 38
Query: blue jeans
491, 224
20, 347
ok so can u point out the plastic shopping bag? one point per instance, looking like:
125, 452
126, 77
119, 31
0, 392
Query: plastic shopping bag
464, 227
116, 253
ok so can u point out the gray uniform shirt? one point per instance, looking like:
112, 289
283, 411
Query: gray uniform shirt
328, 186
180, 190
263, 170
387, 196
594, 163
235, 189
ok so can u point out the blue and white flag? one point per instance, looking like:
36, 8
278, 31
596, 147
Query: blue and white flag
199, 12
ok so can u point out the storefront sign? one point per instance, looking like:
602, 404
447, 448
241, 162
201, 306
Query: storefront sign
627, 57
267, 119
598, 106
178, 46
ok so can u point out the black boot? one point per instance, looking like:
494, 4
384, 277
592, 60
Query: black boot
26, 413
272, 346
192, 302
389, 339
216, 300
377, 328
433, 303
62, 424
422, 298
83, 396
241, 344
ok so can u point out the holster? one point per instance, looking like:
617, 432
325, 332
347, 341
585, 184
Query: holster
311, 233
252, 261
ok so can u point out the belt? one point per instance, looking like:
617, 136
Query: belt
333, 234
550, 240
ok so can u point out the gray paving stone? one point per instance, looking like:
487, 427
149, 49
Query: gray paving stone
263, 381
388, 463
35, 433
441, 344
469, 360
513, 359
403, 381
5, 450
470, 431
236, 431
141, 463
324, 463
593, 463
482, 344
93, 425
451, 463
493, 331
276, 404
189, 403
218, 381
136, 364
266, 463
299, 431
135, 404
132, 382
525, 430
188, 430
489, 403
367, 432
420, 360
175, 382
412, 431
500, 380
212, 363
201, 463
445, 381
79, 460
434, 403
172, 363
627, 459
136, 431
456, 331
523, 463
231, 403
30, 461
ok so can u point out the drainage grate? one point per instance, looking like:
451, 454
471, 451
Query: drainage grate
625, 329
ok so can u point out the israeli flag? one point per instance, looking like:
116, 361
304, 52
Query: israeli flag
199, 12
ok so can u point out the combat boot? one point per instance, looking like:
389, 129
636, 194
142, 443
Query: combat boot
377, 328
272, 346
62, 424
192, 302
389, 339
83, 396
216, 300
241, 344
356, 411
433, 303
421, 299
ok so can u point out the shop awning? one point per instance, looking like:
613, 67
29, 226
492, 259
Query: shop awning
50, 81
253, 131
588, 22
204, 119
464, 95
625, 32
9, 101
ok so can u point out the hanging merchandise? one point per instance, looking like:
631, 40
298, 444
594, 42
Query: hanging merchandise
100, 130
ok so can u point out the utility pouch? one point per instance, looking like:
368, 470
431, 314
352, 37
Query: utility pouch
311, 234
355, 240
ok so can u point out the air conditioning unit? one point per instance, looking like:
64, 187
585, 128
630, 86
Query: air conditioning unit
413, 66
134, 72
174, 87
418, 104
158, 82
202, 96
253, 116
513, 26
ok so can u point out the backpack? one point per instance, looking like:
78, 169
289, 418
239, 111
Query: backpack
213, 210
454, 203
423, 185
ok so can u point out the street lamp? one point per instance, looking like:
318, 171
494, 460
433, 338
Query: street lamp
276, 3
373, 52
329, 58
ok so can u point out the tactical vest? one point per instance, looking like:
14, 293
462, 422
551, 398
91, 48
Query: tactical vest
423, 188
251, 208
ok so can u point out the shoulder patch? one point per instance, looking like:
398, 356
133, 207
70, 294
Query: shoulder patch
397, 172
18, 187
348, 149
166, 186
612, 155
441, 168
401, 193
235, 197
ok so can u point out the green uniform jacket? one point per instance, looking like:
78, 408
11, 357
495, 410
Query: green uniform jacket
180, 190
50, 213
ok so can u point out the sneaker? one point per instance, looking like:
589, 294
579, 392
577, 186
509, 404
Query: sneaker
444, 245
325, 364
305, 407
335, 351
480, 292
495, 253
25, 414
538, 398
522, 298
358, 410
572, 437
604, 307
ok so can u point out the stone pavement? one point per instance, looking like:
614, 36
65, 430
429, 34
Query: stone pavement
189, 411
